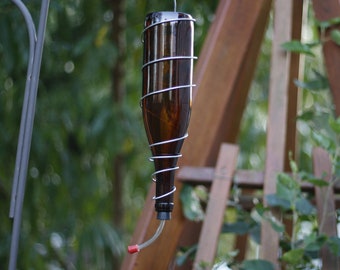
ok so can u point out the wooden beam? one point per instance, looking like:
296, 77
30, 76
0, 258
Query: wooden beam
219, 195
223, 74
205, 175
325, 204
247, 179
325, 10
293, 89
241, 246
277, 127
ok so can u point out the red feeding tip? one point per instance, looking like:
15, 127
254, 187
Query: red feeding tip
133, 249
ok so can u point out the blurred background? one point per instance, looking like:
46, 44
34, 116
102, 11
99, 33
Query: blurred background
89, 171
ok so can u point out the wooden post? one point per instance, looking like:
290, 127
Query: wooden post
219, 194
279, 114
325, 204
324, 11
223, 76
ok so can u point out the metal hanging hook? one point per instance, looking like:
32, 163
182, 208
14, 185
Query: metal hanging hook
175, 5
36, 41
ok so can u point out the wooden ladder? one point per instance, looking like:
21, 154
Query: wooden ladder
223, 76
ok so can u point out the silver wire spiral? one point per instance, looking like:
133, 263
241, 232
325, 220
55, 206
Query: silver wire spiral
163, 215
159, 91
152, 158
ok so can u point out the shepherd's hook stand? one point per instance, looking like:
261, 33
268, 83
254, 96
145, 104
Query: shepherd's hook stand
36, 42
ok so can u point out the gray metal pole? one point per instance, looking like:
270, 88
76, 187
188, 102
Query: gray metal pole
27, 121
32, 43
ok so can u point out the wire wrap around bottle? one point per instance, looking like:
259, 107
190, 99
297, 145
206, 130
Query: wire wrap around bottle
167, 70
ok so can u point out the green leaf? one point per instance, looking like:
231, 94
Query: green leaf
317, 182
314, 85
239, 227
293, 165
275, 201
267, 215
306, 115
202, 193
294, 256
323, 140
335, 36
286, 187
328, 23
192, 208
273, 221
255, 233
314, 242
334, 124
304, 207
185, 255
334, 245
297, 47
260, 209
276, 225
257, 265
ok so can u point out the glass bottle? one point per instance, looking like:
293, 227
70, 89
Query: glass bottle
166, 98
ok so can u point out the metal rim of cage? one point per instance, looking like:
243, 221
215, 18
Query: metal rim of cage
165, 21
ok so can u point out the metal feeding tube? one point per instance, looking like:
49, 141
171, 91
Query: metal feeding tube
166, 101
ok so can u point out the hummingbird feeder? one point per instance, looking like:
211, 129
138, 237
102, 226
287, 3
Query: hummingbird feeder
166, 101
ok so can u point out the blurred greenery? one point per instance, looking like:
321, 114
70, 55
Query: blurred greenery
68, 216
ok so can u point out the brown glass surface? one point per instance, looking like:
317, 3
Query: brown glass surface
166, 115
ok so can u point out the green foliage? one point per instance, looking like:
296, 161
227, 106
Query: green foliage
190, 199
335, 36
257, 265
298, 47
318, 83
328, 23
78, 131
185, 254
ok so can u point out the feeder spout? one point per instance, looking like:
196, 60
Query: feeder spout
136, 248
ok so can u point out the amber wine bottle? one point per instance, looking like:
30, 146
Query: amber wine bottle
166, 98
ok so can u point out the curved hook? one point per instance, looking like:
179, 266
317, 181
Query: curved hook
175, 5
32, 42
27, 120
